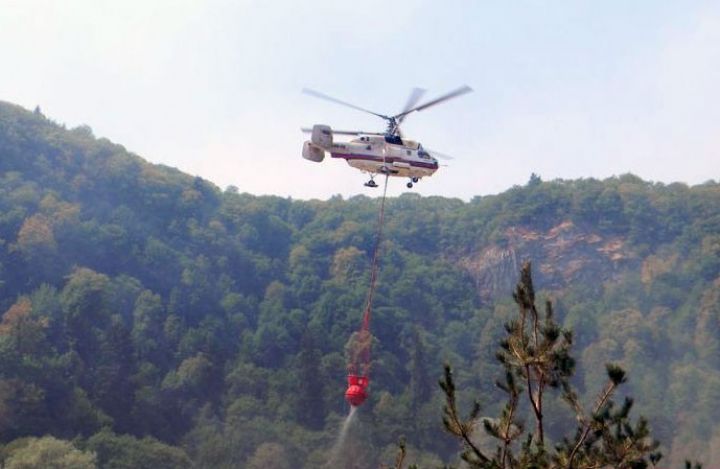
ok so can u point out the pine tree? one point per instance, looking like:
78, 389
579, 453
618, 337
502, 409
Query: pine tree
536, 358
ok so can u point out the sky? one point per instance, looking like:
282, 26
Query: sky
564, 89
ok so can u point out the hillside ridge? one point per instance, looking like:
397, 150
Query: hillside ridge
140, 302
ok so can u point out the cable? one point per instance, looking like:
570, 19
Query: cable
365, 329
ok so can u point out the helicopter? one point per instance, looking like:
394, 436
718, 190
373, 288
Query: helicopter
388, 152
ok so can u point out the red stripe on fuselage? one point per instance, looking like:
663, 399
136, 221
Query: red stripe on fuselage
379, 159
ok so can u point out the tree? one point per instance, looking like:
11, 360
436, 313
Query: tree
707, 332
84, 301
269, 455
147, 329
309, 403
113, 389
127, 452
27, 334
48, 453
420, 389
536, 358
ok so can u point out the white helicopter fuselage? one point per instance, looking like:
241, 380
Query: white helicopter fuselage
374, 154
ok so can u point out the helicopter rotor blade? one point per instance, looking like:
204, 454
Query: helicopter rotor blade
309, 130
438, 155
458, 92
317, 94
413, 99
354, 132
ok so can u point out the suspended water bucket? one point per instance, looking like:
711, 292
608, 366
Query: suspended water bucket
356, 392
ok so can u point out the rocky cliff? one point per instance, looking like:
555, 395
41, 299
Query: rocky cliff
562, 255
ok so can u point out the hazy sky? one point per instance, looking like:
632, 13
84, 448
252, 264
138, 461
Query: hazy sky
565, 89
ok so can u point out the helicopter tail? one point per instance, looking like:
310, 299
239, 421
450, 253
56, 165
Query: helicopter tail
322, 136
313, 152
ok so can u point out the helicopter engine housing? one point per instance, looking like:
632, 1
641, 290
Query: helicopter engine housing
313, 152
322, 136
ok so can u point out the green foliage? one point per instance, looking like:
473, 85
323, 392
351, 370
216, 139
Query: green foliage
126, 452
456, 425
309, 402
47, 453
536, 359
269, 455
150, 302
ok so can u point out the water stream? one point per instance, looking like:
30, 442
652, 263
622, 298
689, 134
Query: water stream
336, 452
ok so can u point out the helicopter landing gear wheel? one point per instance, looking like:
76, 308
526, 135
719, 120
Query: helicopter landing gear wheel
409, 185
415, 179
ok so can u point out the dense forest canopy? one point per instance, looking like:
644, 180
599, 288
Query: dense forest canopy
155, 319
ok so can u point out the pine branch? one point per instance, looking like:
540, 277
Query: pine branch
402, 451
453, 423
508, 416
536, 405
616, 376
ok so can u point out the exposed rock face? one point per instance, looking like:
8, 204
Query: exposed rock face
564, 254
494, 270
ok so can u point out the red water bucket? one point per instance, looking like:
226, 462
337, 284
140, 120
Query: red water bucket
356, 392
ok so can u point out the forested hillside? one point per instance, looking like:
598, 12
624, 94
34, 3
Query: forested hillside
159, 321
